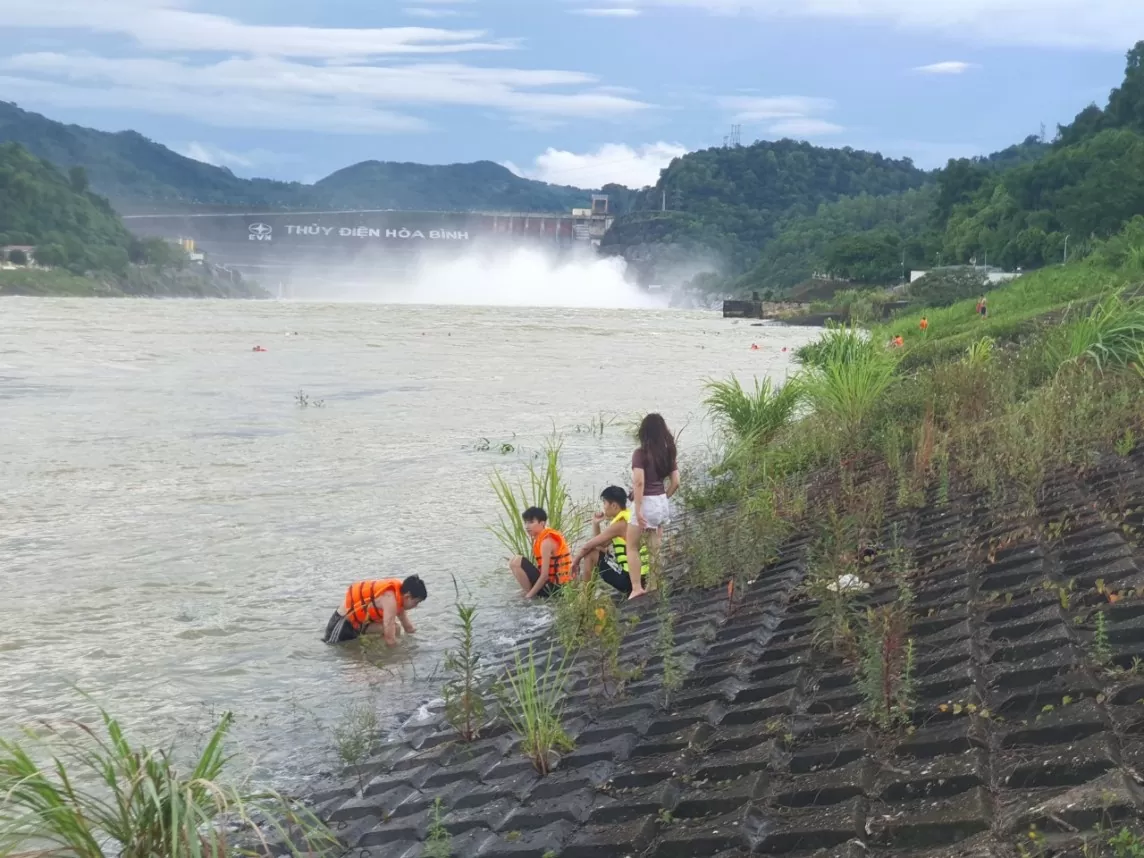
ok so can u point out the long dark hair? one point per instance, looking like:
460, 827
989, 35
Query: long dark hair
658, 444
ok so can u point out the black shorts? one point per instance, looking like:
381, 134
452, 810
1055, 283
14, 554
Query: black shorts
530, 570
610, 572
339, 630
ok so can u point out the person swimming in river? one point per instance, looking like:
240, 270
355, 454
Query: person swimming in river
606, 552
551, 565
376, 607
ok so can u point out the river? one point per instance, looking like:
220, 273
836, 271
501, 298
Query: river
175, 527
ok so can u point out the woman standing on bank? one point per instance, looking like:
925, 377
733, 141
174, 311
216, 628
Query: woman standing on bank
655, 478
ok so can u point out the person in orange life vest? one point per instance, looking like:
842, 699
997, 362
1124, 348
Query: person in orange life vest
376, 607
924, 324
897, 342
551, 565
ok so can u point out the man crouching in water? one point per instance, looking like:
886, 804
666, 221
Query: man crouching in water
551, 564
376, 607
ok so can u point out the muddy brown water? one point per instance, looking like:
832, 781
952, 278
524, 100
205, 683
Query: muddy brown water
176, 529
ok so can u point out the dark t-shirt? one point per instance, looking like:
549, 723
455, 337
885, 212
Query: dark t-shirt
653, 481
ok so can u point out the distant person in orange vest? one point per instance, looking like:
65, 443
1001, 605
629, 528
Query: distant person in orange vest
551, 565
982, 310
898, 341
376, 607
924, 324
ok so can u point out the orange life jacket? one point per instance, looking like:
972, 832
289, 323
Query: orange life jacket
359, 605
923, 324
560, 563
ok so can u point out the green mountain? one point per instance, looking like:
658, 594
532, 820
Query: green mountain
56, 213
450, 187
732, 201
139, 175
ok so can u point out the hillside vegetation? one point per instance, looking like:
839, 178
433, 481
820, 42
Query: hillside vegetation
1023, 207
82, 240
732, 200
139, 175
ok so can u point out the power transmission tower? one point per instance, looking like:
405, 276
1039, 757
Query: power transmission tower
736, 135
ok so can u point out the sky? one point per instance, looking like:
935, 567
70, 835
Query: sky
576, 92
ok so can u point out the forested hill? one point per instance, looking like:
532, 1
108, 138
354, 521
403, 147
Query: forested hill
731, 200
137, 175
68, 225
1022, 207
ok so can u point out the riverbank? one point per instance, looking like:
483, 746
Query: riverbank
909, 621
193, 281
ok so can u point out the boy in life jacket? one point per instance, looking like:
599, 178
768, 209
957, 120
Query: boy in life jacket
376, 607
607, 550
550, 567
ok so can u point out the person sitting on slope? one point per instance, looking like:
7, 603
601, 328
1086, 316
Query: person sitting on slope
607, 550
551, 565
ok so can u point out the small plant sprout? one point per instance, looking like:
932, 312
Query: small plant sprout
355, 737
464, 701
1125, 444
672, 677
438, 842
1101, 648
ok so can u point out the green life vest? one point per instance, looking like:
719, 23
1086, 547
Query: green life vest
620, 545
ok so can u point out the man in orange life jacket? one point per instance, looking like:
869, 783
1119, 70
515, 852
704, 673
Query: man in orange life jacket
551, 565
376, 607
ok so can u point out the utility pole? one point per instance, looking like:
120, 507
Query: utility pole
664, 208
1066, 262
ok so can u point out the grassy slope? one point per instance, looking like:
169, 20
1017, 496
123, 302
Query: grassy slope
1014, 309
55, 283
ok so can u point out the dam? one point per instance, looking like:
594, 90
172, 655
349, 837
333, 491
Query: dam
261, 243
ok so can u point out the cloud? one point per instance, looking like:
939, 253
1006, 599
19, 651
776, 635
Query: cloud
950, 67
288, 78
219, 157
166, 26
609, 12
785, 115
422, 12
805, 127
612, 162
1078, 24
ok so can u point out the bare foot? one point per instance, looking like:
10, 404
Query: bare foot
636, 594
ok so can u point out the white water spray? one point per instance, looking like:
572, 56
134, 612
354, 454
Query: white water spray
520, 277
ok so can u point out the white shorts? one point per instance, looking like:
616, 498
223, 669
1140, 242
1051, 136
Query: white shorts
656, 510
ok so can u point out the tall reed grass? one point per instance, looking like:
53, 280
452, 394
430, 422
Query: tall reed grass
98, 796
533, 703
752, 417
848, 386
1111, 333
545, 487
839, 344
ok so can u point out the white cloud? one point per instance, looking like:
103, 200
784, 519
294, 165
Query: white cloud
288, 83
280, 77
612, 162
784, 115
208, 153
750, 108
609, 12
164, 25
1091, 24
950, 67
423, 12
804, 127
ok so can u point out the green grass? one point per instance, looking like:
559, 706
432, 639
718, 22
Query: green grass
533, 702
544, 487
98, 796
847, 387
53, 283
752, 417
1013, 308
